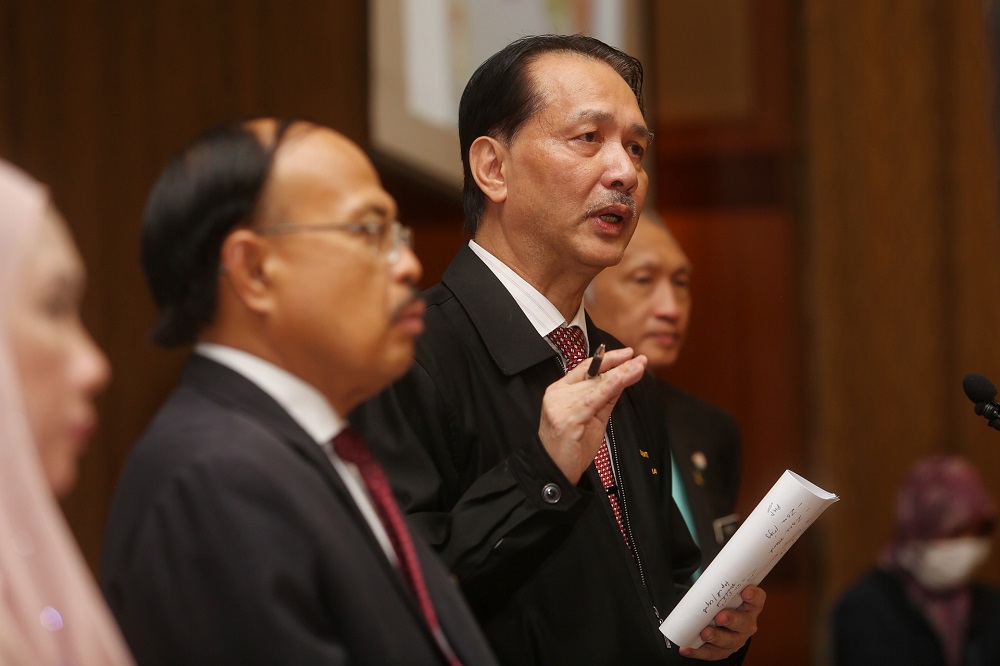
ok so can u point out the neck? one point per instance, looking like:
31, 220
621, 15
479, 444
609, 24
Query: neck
255, 333
341, 398
566, 297
563, 289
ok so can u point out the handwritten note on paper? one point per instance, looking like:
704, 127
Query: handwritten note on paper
791, 506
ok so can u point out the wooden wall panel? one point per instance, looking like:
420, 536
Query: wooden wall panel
900, 259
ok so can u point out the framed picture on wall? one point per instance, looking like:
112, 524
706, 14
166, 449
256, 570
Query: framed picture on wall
422, 53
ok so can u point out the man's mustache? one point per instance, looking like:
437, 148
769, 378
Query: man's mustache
613, 198
412, 297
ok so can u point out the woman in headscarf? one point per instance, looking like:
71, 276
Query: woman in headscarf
919, 606
50, 609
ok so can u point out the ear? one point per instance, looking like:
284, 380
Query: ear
486, 160
245, 260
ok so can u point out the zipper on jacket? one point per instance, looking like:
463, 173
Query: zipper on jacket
620, 489
619, 481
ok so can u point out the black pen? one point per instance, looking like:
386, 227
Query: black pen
595, 362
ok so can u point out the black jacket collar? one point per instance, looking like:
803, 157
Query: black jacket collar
509, 337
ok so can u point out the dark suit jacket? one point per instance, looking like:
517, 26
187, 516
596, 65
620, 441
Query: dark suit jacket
875, 623
232, 540
699, 428
542, 561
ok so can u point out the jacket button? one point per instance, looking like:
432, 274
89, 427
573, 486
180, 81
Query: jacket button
551, 493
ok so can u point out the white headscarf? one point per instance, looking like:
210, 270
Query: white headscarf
51, 612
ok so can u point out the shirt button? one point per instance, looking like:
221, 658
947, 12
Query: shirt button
551, 493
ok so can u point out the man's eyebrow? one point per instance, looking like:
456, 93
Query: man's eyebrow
598, 116
369, 208
594, 115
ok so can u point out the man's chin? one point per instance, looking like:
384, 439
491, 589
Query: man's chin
659, 358
382, 372
604, 257
397, 360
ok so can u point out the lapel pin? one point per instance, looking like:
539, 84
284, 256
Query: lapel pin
700, 464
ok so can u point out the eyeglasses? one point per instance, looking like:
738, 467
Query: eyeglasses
386, 240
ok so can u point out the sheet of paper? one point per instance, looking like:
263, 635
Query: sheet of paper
791, 506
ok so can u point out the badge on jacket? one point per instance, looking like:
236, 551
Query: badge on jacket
725, 527
700, 463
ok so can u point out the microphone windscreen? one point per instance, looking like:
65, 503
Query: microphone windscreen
978, 388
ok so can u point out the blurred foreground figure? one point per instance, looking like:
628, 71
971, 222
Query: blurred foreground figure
251, 524
645, 301
50, 609
919, 606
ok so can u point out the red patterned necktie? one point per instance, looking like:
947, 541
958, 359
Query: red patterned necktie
569, 341
351, 447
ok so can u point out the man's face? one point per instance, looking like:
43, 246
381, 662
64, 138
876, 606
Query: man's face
574, 170
645, 300
345, 313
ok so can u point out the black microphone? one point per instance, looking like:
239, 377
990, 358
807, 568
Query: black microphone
982, 392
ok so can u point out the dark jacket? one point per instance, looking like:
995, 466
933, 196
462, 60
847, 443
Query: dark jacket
700, 429
542, 561
875, 623
232, 540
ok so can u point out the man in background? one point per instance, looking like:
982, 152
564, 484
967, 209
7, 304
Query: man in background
559, 524
251, 525
645, 301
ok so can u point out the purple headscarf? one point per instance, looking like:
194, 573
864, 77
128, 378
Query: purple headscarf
941, 497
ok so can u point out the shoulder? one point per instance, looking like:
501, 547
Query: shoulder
682, 405
198, 450
444, 311
986, 596
874, 623
875, 590
190, 426
681, 399
198, 469
449, 338
437, 296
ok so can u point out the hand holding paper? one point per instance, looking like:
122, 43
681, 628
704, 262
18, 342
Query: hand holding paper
732, 628
791, 506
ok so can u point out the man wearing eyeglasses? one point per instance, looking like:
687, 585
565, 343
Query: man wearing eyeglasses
251, 524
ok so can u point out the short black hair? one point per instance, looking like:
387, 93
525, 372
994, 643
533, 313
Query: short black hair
207, 190
499, 98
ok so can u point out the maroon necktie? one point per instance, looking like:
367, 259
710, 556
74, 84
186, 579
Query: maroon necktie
569, 341
351, 447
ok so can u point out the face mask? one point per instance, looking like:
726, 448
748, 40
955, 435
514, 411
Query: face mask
944, 564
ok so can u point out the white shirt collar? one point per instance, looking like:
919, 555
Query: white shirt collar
543, 315
302, 402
